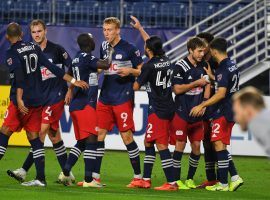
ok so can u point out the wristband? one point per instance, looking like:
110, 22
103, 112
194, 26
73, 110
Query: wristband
73, 80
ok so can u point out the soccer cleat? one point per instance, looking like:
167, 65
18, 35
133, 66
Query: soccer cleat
67, 181
33, 183
167, 187
134, 183
181, 185
190, 184
217, 187
93, 184
18, 174
207, 183
234, 185
80, 183
143, 184
61, 176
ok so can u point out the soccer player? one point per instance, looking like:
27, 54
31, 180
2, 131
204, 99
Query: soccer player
227, 78
83, 108
54, 90
251, 114
156, 74
115, 104
209, 151
24, 60
191, 86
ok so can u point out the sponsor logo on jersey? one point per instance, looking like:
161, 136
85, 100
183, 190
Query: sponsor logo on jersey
179, 132
117, 65
118, 56
190, 77
47, 74
219, 77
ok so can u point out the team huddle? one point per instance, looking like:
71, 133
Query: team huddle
201, 111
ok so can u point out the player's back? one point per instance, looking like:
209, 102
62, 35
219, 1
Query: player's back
54, 89
23, 62
159, 87
84, 67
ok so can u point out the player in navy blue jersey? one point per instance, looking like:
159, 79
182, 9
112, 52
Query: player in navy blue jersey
190, 85
115, 104
156, 74
24, 60
227, 78
54, 90
83, 109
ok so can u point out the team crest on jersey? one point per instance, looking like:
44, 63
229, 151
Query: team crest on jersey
65, 55
219, 77
9, 61
118, 56
138, 53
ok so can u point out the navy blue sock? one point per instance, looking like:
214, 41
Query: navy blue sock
177, 157
99, 155
89, 160
73, 156
210, 164
167, 164
149, 159
3, 144
61, 153
193, 164
28, 161
39, 158
232, 169
223, 166
134, 155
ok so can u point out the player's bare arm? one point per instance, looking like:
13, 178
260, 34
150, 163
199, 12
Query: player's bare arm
137, 25
221, 93
105, 63
20, 102
126, 71
183, 88
136, 86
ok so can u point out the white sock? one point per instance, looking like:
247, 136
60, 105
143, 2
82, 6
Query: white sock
139, 176
234, 178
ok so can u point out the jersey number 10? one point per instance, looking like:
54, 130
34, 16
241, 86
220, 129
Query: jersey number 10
30, 62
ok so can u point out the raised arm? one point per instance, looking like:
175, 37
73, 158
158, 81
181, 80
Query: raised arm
137, 25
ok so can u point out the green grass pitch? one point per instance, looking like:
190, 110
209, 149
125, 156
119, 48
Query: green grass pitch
116, 173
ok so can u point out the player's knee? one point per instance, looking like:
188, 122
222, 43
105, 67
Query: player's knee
91, 139
180, 145
32, 135
207, 145
161, 147
195, 146
54, 136
102, 134
6, 131
127, 137
148, 144
219, 146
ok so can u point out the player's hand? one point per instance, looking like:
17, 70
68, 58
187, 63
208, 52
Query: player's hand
24, 110
209, 72
124, 71
81, 84
201, 82
68, 97
135, 23
197, 111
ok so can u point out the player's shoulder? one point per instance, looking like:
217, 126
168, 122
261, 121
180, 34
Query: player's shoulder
182, 64
55, 46
128, 45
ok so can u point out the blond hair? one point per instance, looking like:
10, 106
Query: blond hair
112, 20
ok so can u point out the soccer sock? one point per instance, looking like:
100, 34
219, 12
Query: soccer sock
39, 158
99, 155
134, 156
73, 156
177, 157
167, 164
193, 164
150, 156
210, 162
89, 160
232, 169
61, 153
28, 161
223, 166
3, 144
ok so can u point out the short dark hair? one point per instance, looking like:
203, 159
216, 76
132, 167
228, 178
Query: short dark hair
195, 42
220, 44
14, 30
154, 43
86, 42
206, 35
36, 22
250, 96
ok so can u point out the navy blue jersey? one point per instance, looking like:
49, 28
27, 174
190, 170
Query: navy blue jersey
54, 89
84, 67
227, 76
24, 60
156, 74
185, 73
115, 89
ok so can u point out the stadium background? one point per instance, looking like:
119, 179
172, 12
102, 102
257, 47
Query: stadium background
173, 20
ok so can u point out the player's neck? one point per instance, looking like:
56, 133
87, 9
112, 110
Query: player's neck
14, 40
192, 61
221, 57
43, 44
115, 41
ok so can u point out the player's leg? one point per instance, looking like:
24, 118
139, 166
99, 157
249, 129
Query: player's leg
123, 115
5, 133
